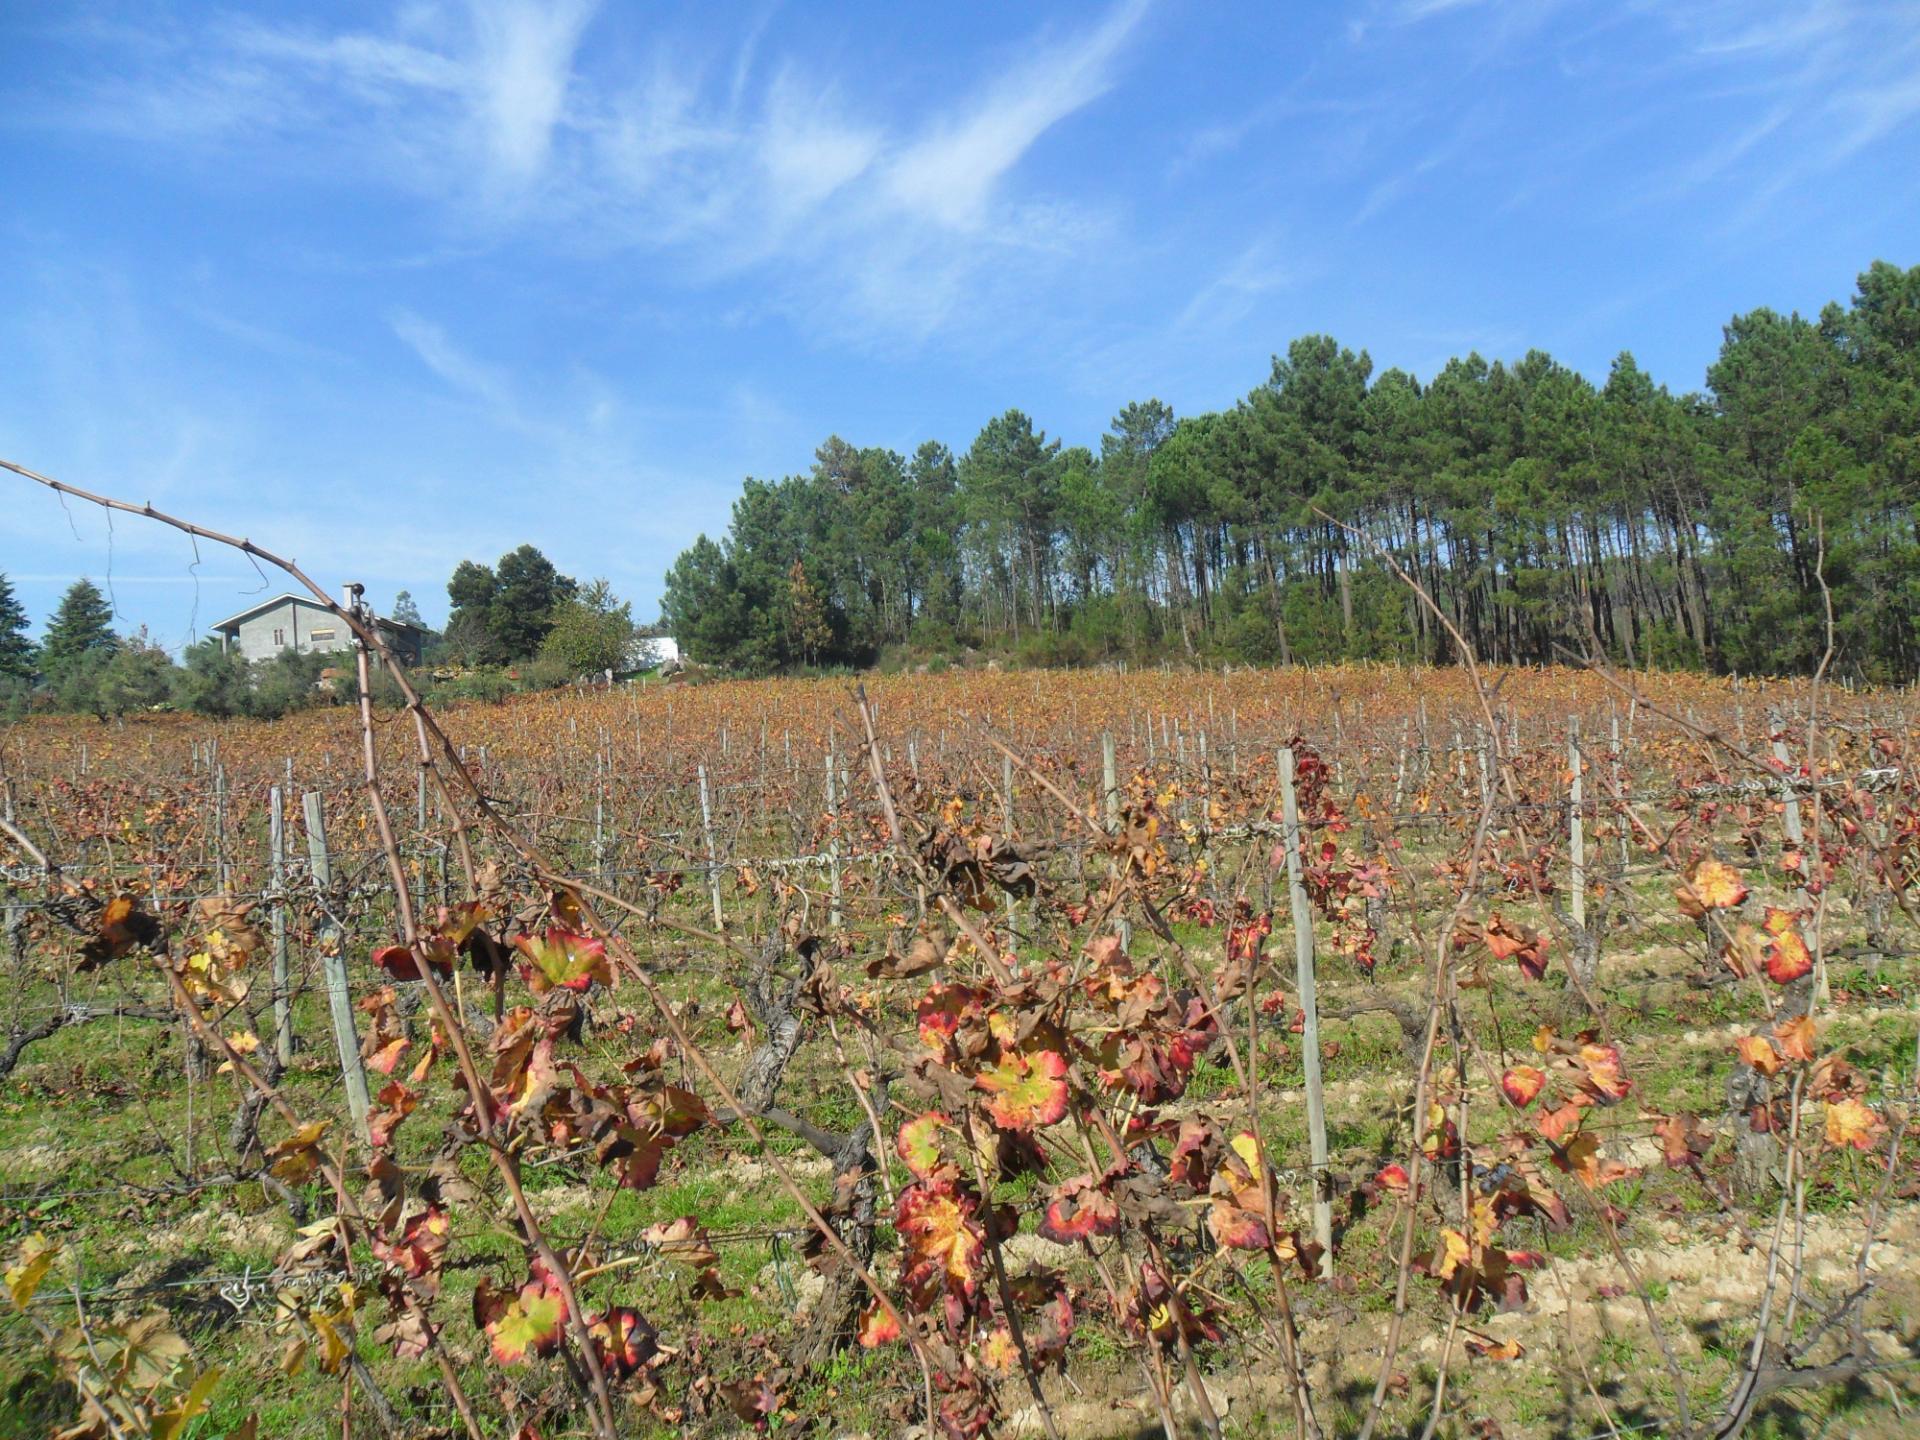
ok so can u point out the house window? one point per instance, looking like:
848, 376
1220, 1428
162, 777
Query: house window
279, 637
320, 634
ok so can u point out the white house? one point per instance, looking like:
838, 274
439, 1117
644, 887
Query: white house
301, 624
660, 651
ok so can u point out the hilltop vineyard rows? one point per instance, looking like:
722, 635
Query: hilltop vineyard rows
1347, 1050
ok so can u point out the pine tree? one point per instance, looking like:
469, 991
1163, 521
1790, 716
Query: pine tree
16, 648
405, 611
82, 624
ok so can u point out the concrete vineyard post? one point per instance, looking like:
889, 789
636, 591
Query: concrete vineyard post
1303, 969
333, 963
713, 863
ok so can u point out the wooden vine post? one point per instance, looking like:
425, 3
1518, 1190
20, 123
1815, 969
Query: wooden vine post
1619, 782
1310, 1010
1110, 781
1576, 826
223, 867
833, 843
1797, 838
277, 923
333, 962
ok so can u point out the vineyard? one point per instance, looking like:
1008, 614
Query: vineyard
1358, 1050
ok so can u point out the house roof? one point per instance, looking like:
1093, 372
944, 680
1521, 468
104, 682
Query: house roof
235, 621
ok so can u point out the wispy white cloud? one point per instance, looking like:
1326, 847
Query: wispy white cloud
1837, 76
469, 97
950, 172
1873, 111
522, 65
1425, 9
1391, 188
1708, 164
1747, 29
64, 577
1284, 114
459, 370
367, 65
1481, 32
1232, 294
879, 222
807, 151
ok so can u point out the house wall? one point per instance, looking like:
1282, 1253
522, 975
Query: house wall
406, 644
291, 625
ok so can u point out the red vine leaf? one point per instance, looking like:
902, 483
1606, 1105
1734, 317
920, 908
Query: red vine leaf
1523, 1084
1028, 1090
563, 960
1709, 885
623, 1340
1787, 955
877, 1327
525, 1323
1851, 1123
1079, 1210
1795, 1038
918, 1143
943, 1241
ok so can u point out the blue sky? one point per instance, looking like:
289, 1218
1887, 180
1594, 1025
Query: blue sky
390, 286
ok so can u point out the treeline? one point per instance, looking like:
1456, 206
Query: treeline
1545, 515
84, 666
522, 611
515, 625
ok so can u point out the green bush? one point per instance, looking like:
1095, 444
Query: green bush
491, 684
